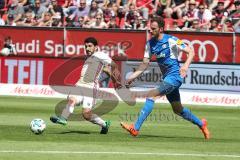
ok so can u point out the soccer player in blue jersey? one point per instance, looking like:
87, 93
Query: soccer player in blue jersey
165, 47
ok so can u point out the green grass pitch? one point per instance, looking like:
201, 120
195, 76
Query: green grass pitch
163, 136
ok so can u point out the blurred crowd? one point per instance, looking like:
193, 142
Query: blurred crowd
179, 15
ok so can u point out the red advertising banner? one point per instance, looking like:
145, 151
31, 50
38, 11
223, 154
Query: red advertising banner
208, 47
38, 70
124, 44
41, 71
237, 56
50, 42
34, 41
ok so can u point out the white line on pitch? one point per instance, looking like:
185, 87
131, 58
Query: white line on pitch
125, 153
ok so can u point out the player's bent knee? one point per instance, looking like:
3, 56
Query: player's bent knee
87, 115
153, 93
177, 107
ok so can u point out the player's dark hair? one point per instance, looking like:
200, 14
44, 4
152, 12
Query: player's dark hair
159, 20
91, 40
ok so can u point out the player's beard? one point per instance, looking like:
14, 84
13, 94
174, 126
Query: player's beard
155, 35
89, 53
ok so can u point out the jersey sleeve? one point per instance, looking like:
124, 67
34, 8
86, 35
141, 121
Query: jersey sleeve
104, 57
147, 52
179, 43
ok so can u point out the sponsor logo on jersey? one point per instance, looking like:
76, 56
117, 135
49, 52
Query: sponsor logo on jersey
161, 55
179, 42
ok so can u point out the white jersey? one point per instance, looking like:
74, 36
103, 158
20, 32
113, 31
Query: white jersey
93, 67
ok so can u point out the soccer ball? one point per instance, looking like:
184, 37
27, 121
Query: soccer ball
37, 126
5, 51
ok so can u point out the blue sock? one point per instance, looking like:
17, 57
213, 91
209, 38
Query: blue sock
146, 110
188, 115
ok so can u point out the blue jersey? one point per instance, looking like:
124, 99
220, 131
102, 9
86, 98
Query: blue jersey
166, 51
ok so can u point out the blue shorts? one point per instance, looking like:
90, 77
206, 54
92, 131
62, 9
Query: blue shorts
171, 91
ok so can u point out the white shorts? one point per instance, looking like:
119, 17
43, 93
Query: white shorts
87, 102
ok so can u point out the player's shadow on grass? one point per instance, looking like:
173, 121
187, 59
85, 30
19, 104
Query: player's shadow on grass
177, 138
157, 136
74, 132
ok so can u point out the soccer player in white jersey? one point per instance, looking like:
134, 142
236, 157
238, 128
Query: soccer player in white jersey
89, 78
166, 48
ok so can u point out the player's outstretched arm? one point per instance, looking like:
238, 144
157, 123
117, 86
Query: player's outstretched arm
190, 52
143, 66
